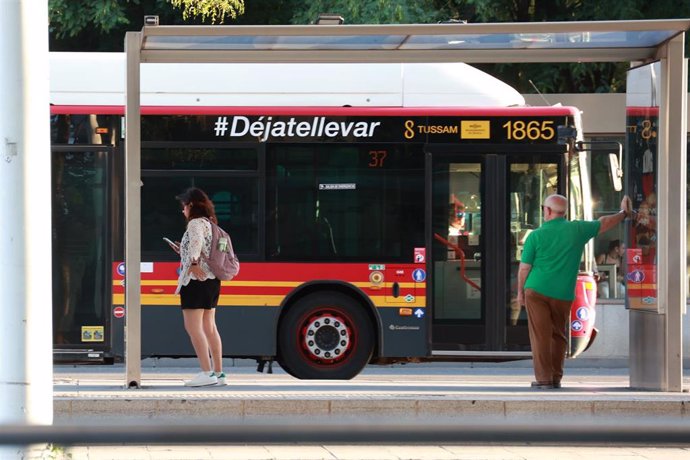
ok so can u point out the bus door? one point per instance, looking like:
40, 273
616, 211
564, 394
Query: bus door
81, 253
482, 208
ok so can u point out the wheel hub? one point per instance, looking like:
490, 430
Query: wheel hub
327, 337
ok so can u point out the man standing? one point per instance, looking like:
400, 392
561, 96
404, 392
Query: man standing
546, 281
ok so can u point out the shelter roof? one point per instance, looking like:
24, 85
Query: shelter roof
588, 41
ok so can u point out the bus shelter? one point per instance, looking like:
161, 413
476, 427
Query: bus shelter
656, 359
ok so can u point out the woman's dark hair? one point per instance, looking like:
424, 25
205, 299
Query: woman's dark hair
202, 206
613, 244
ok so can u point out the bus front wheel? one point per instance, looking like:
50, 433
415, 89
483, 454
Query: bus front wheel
326, 335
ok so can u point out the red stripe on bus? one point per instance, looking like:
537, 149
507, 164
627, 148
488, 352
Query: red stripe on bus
322, 111
281, 271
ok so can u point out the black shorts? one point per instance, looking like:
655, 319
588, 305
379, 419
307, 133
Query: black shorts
200, 294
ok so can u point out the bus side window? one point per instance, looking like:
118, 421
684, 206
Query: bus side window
327, 202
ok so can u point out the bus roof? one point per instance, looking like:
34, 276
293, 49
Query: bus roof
306, 111
98, 79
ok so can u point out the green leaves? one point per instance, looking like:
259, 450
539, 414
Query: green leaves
99, 25
368, 11
69, 17
213, 11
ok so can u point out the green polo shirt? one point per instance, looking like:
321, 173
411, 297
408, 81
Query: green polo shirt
554, 251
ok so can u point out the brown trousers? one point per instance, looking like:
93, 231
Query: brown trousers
548, 321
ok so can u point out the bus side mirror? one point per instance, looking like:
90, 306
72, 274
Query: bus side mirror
616, 172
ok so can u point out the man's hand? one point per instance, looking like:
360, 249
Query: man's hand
523, 273
626, 205
611, 220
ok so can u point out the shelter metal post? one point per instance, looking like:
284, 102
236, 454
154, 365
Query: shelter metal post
133, 212
674, 243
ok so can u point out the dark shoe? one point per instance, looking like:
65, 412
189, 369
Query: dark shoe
557, 384
542, 386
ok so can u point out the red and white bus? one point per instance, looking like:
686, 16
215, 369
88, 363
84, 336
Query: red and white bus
378, 211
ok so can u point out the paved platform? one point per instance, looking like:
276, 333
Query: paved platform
379, 452
413, 392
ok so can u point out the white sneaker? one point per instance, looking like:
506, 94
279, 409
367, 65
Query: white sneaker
221, 378
202, 379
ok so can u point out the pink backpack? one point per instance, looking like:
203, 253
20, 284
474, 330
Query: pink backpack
222, 259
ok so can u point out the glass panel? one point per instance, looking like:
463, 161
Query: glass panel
274, 42
583, 39
610, 246
457, 269
79, 184
350, 202
84, 129
641, 184
530, 184
188, 158
235, 200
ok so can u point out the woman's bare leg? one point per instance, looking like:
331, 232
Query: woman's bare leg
193, 324
213, 339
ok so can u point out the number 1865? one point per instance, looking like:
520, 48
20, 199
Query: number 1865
518, 130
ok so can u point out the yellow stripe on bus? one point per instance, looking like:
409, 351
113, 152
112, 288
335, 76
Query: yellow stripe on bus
259, 300
291, 284
224, 283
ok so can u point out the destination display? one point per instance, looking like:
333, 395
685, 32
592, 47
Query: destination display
285, 128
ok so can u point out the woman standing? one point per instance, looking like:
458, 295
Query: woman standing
199, 289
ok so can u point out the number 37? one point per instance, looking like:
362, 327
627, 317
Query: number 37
377, 157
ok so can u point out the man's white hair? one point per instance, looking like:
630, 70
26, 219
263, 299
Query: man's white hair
556, 202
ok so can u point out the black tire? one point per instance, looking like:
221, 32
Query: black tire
326, 335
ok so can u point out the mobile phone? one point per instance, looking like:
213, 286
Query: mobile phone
169, 241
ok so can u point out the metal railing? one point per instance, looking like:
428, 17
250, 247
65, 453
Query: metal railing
672, 432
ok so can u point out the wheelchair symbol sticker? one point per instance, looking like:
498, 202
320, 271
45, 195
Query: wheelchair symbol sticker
582, 313
636, 276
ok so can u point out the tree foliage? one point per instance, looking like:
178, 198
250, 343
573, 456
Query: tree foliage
70, 18
368, 12
99, 25
562, 78
215, 11
556, 78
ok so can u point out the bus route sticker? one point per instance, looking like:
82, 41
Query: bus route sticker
583, 313
337, 186
418, 275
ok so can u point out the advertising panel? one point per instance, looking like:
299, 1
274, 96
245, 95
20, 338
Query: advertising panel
642, 122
